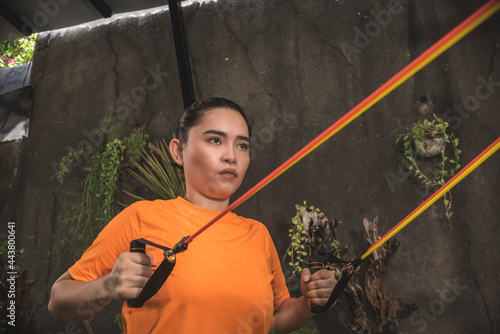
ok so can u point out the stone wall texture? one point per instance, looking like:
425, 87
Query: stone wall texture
296, 66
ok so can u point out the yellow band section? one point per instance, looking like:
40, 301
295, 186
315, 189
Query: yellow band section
417, 68
443, 190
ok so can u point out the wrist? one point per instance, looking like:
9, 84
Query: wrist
305, 307
105, 290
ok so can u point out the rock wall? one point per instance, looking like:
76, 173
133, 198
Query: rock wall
296, 67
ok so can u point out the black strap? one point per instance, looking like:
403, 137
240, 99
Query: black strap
137, 244
347, 273
160, 275
154, 284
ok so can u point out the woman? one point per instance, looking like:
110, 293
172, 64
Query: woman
229, 281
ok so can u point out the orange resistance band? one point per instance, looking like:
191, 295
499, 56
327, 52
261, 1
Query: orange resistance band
440, 192
434, 51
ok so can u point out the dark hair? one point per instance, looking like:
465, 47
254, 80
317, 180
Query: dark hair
194, 114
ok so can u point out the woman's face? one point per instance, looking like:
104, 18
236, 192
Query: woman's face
216, 156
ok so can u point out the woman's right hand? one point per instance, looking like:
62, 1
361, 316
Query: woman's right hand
72, 300
129, 275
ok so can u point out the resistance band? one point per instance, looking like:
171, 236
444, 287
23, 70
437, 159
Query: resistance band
434, 51
443, 190
350, 268
442, 45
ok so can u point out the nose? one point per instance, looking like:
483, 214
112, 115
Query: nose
229, 154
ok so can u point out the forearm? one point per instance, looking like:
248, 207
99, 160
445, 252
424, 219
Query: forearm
72, 300
293, 314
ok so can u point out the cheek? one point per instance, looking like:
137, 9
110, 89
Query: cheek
201, 161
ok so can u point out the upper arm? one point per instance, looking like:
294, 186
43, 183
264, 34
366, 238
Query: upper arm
64, 277
59, 292
59, 283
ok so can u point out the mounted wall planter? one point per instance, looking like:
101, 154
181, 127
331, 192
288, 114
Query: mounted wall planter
430, 147
428, 139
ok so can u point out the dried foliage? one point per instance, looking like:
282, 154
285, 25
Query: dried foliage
366, 307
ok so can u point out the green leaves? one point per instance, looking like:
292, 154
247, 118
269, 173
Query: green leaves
101, 169
159, 175
297, 250
17, 52
447, 162
302, 236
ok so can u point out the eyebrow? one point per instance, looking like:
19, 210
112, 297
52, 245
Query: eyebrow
224, 135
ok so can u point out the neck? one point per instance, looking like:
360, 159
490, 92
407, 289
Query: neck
214, 204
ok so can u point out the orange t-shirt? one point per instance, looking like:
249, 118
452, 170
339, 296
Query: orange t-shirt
228, 281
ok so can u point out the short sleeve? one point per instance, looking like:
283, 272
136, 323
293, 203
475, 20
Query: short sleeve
99, 259
280, 290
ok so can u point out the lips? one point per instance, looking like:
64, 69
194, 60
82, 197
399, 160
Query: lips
229, 172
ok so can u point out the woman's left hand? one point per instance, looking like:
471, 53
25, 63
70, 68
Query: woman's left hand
318, 287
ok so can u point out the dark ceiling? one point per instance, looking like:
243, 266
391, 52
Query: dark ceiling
22, 17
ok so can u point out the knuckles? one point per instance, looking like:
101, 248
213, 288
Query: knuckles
130, 275
319, 287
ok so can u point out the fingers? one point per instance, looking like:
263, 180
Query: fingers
306, 275
139, 258
152, 262
322, 275
137, 264
320, 286
130, 274
318, 297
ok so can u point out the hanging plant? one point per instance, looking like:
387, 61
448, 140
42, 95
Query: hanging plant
311, 231
429, 140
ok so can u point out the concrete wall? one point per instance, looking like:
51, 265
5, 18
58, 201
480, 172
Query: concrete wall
296, 66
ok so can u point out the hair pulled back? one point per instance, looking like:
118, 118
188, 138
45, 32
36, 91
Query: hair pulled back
194, 114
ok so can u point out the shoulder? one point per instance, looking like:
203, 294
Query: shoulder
255, 225
146, 206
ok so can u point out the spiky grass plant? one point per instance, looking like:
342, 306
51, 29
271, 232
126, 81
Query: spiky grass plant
158, 173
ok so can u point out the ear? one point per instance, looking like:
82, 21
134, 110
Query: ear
176, 148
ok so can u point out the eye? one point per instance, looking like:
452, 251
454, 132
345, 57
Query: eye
214, 140
243, 146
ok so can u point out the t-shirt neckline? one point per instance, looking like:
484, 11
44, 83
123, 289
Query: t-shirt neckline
190, 206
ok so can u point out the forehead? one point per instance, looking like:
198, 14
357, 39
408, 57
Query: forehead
224, 119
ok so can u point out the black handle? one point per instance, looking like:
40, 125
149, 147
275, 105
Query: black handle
347, 274
137, 247
159, 277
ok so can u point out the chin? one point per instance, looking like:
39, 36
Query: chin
222, 195
221, 191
